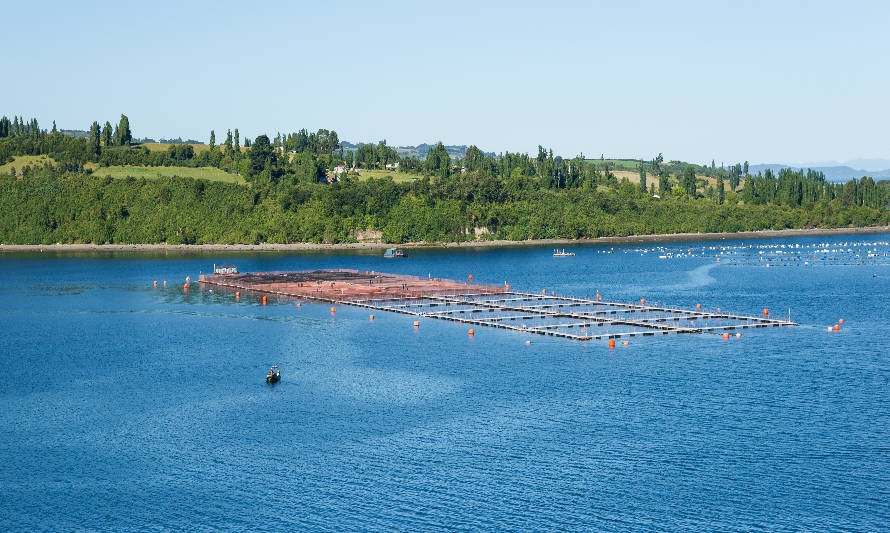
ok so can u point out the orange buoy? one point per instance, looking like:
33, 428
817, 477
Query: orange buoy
185, 287
416, 324
840, 321
372, 317
237, 295
333, 310
698, 306
718, 259
597, 296
471, 333
508, 287
471, 277
528, 342
165, 283
156, 283
766, 312
611, 343
718, 309
837, 328
642, 300
264, 300
543, 291
299, 304
625, 343
726, 336
188, 279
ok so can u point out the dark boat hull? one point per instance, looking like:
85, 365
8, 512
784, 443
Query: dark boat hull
273, 379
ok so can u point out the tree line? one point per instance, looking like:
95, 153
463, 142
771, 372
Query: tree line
510, 196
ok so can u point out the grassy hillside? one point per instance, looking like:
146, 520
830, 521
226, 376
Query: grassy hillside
207, 173
398, 177
633, 176
162, 147
183, 197
20, 161
199, 148
618, 164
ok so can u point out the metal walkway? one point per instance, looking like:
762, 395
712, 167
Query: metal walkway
570, 318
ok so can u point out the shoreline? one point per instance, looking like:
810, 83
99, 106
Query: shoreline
311, 247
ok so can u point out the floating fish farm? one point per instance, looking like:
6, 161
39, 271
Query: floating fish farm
487, 305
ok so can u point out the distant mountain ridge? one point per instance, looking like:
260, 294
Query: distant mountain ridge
870, 164
837, 173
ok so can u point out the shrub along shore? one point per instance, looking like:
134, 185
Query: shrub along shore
378, 246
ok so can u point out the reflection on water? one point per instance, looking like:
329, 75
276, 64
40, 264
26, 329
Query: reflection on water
697, 277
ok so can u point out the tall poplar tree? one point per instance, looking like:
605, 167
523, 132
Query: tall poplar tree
689, 181
664, 183
228, 144
95, 139
123, 136
107, 137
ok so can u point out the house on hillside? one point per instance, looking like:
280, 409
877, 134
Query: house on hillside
334, 174
392, 166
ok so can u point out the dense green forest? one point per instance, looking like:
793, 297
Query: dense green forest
287, 198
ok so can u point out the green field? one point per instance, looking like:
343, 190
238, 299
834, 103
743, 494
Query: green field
199, 148
618, 164
21, 161
398, 177
205, 173
159, 147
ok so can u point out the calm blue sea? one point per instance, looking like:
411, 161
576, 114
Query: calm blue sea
127, 407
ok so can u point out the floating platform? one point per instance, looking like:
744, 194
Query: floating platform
486, 305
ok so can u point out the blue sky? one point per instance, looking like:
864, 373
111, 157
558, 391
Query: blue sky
731, 81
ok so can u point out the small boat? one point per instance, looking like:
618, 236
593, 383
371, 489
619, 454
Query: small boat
274, 375
562, 253
395, 252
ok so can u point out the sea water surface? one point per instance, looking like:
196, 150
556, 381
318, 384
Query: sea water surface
127, 407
